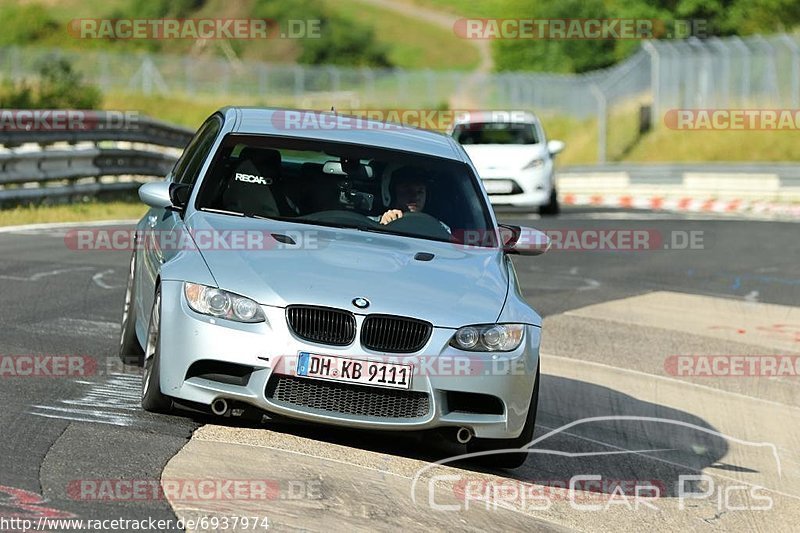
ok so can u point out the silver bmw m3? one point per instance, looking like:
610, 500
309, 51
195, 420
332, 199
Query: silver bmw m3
334, 270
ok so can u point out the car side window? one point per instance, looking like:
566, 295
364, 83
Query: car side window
188, 167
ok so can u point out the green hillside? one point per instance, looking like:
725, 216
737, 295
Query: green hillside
352, 32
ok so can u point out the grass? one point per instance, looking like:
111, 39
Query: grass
413, 43
664, 145
80, 212
189, 111
580, 136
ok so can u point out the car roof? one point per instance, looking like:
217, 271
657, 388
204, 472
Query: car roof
331, 126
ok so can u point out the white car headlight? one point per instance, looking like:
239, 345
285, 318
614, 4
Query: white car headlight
536, 163
489, 338
222, 304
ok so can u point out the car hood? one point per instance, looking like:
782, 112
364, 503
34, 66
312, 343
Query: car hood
330, 267
493, 157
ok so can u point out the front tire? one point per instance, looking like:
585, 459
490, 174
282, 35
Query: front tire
152, 398
552, 207
508, 459
130, 351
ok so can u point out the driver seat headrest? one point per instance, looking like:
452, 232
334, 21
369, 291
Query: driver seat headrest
249, 186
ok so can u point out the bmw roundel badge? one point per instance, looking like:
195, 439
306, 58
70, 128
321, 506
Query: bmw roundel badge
361, 303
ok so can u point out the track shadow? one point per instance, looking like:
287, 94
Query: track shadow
623, 451
625, 441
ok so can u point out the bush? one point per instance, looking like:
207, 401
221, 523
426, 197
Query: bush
59, 87
719, 17
341, 41
26, 24
344, 42
558, 55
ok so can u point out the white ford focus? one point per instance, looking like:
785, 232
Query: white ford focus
513, 158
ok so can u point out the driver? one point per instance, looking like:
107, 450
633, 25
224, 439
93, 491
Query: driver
409, 191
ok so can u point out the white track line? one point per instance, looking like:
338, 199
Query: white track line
54, 225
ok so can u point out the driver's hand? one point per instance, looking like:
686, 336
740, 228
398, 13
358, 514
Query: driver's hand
391, 215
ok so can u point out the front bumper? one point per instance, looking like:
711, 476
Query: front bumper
529, 188
271, 349
533, 199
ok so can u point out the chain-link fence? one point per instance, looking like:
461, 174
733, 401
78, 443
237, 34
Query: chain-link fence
753, 72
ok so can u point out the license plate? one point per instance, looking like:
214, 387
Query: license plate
498, 186
311, 365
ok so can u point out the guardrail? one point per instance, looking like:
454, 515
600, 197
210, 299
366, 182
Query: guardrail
104, 155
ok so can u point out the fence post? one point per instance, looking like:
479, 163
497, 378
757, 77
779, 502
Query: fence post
430, 84
335, 78
402, 85
769, 58
655, 81
188, 76
745, 92
602, 119
299, 83
104, 80
794, 97
703, 60
725, 85
369, 78
262, 80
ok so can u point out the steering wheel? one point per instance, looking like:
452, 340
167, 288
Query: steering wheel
339, 217
418, 223
416, 216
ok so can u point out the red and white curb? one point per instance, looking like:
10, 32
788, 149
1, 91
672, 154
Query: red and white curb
688, 204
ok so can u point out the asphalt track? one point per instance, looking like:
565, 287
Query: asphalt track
613, 318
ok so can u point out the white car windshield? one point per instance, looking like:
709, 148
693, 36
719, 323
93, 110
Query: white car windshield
495, 133
345, 185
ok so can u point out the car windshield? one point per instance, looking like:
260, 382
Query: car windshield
495, 133
346, 185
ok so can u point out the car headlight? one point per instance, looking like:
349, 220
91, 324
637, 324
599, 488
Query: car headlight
536, 163
488, 338
222, 304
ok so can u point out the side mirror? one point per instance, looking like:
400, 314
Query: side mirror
523, 241
156, 194
165, 195
555, 147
